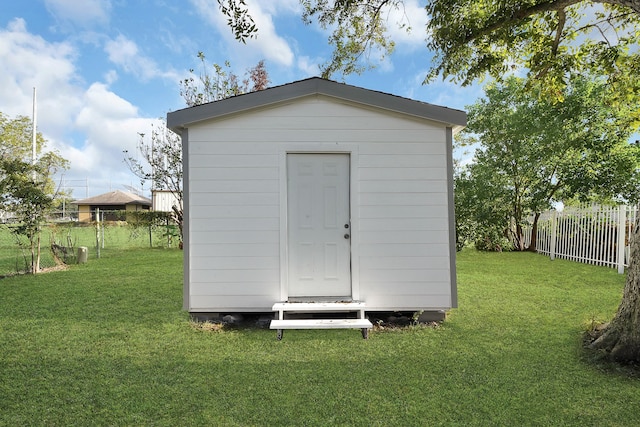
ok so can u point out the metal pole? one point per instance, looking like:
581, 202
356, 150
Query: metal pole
98, 232
35, 118
34, 150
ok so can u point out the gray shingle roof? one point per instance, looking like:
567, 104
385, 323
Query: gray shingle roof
115, 198
180, 119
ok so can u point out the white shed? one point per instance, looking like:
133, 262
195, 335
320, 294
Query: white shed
164, 200
318, 191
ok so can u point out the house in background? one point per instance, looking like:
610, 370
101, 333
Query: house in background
110, 202
317, 193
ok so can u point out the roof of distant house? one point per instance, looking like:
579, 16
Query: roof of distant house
115, 198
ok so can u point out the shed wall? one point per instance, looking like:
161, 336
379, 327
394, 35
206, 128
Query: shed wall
400, 246
163, 201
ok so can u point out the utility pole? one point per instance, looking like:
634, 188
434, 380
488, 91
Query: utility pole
34, 133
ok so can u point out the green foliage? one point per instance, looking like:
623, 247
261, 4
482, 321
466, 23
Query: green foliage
27, 190
147, 218
482, 211
533, 152
552, 40
238, 19
221, 82
358, 31
23, 192
106, 343
16, 137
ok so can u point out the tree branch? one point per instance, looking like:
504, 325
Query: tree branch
543, 6
562, 19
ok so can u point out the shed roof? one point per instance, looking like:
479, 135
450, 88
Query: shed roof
181, 119
115, 198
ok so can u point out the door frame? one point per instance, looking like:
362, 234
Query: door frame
354, 197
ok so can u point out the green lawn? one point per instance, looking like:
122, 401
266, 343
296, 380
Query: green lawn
15, 257
106, 343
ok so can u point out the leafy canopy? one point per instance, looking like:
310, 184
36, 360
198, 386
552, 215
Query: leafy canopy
219, 82
470, 39
532, 152
551, 39
16, 137
27, 189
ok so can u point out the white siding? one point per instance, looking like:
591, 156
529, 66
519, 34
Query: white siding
402, 236
163, 201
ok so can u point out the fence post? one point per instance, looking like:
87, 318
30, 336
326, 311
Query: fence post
552, 243
622, 225
98, 233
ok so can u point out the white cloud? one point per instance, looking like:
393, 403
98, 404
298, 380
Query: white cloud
443, 92
29, 61
275, 7
111, 76
85, 13
125, 53
111, 125
309, 66
89, 126
267, 45
407, 24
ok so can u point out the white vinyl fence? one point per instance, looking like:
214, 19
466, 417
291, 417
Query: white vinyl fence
595, 234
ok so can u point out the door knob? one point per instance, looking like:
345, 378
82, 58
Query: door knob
346, 236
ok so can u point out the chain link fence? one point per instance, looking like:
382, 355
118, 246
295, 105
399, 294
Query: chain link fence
63, 235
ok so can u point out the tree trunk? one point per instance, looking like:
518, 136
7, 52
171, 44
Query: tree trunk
533, 245
35, 253
32, 248
620, 339
38, 250
519, 238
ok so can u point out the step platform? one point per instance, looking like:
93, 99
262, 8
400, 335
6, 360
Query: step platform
308, 308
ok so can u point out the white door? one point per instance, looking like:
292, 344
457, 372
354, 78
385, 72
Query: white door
318, 225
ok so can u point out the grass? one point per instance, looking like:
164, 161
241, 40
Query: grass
106, 343
15, 255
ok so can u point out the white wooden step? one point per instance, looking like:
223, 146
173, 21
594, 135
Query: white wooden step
318, 306
321, 324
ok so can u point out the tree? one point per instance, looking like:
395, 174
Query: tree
161, 164
27, 189
534, 152
221, 82
160, 159
16, 137
483, 211
551, 39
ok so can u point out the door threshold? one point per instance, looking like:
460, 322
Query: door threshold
320, 299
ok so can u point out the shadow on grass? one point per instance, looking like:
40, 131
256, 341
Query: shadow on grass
599, 360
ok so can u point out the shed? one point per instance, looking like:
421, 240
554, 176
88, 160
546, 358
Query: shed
109, 203
164, 200
318, 191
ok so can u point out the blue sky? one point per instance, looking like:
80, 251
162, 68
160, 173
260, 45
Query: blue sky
105, 70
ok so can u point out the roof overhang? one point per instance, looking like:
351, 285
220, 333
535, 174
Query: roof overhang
182, 119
